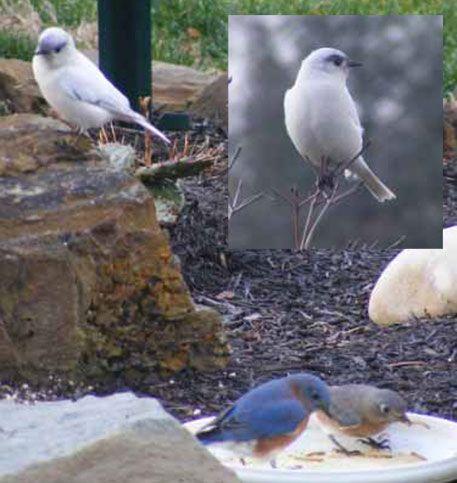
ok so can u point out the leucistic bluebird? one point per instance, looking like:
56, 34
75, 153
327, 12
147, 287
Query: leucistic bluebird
77, 89
269, 417
362, 411
321, 117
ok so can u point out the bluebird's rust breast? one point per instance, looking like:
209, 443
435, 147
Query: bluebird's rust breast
267, 446
363, 430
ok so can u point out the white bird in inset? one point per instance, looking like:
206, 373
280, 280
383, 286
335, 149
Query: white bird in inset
321, 117
77, 89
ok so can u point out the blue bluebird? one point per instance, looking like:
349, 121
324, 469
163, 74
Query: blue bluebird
269, 417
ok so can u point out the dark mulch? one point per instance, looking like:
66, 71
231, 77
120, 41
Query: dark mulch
450, 193
286, 312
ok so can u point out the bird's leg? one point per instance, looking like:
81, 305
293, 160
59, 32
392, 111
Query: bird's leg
342, 449
373, 443
326, 177
243, 461
273, 463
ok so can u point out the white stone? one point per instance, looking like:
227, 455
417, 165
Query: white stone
116, 438
417, 283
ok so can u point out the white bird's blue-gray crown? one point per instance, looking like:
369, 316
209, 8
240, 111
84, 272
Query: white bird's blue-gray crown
329, 60
52, 41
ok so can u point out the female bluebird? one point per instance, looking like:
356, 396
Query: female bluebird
269, 417
362, 411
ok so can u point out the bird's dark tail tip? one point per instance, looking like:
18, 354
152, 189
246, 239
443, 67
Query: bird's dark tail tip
208, 436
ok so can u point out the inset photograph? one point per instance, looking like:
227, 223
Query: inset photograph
335, 131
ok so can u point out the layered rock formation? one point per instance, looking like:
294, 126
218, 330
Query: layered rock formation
87, 276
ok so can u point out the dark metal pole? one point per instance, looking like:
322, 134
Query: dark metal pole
125, 45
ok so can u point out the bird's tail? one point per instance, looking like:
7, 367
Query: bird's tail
374, 185
211, 435
142, 121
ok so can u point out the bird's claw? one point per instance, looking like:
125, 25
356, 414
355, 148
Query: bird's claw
349, 452
341, 449
373, 443
326, 181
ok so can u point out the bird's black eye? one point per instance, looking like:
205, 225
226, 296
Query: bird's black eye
315, 396
336, 60
385, 409
57, 50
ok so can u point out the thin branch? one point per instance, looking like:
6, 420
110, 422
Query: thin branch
234, 206
325, 195
234, 158
396, 243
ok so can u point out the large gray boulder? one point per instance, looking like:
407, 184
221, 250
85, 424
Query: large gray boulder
115, 439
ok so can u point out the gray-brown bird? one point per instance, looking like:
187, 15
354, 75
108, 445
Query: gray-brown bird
362, 411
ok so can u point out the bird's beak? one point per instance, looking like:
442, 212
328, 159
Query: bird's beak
38, 51
404, 419
353, 63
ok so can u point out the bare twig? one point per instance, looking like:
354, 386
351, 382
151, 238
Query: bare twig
234, 204
325, 195
396, 243
145, 107
232, 161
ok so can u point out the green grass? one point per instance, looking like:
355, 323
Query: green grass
336, 7
16, 46
171, 21
67, 12
194, 32
450, 46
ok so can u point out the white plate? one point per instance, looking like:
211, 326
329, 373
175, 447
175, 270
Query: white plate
424, 452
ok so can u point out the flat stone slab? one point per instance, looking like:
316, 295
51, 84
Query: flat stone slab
112, 439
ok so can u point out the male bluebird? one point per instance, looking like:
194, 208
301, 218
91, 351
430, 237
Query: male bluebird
362, 411
269, 417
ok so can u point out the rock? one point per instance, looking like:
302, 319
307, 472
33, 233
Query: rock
110, 439
122, 157
88, 278
449, 128
18, 89
177, 86
212, 103
417, 283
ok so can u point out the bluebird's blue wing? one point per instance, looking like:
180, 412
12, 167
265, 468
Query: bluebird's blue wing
274, 419
268, 420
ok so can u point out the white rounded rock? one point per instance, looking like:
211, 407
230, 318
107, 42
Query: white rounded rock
417, 283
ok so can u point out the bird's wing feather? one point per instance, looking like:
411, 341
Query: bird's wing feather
274, 419
89, 85
345, 406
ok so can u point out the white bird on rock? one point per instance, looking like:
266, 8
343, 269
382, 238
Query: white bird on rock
77, 89
321, 117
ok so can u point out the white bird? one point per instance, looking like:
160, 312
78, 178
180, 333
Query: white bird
321, 117
76, 88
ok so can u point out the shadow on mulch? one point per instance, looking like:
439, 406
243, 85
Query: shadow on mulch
287, 312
